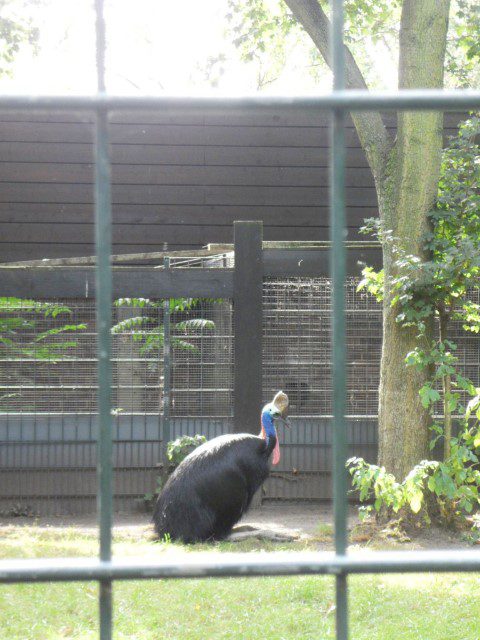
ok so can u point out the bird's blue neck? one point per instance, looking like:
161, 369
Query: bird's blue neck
268, 426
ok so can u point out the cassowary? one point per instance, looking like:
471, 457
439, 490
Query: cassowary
214, 485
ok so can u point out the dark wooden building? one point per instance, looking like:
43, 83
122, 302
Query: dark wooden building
178, 181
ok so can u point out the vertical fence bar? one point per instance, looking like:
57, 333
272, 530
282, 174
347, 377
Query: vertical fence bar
104, 310
248, 325
338, 267
167, 361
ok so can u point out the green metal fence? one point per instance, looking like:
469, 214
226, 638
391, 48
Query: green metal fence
338, 564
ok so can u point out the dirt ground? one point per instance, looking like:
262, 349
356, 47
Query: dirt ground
299, 520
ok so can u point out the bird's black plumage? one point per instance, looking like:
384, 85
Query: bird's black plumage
213, 487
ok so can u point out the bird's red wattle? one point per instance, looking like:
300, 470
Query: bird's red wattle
276, 450
276, 453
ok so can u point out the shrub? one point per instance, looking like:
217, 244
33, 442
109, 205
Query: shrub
178, 450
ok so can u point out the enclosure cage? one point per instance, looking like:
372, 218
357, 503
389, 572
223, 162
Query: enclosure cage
48, 382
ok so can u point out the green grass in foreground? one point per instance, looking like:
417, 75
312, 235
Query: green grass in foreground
420, 607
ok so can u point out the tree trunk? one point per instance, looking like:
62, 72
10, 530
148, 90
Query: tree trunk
406, 176
403, 421
406, 195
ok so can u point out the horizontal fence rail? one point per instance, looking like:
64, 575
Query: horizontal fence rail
347, 100
215, 565
79, 282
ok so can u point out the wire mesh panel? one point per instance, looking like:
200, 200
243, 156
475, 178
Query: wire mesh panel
298, 358
49, 383
297, 339
297, 350
203, 360
48, 378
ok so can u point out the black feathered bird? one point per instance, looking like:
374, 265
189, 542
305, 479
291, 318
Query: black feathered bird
214, 485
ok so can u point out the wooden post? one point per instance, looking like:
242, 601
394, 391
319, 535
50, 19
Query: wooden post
167, 382
248, 325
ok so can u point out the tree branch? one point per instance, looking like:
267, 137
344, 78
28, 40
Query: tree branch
370, 127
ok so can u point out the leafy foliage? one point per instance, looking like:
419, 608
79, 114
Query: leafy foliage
16, 330
454, 483
178, 450
463, 47
442, 287
373, 282
16, 31
375, 482
266, 33
19, 337
146, 330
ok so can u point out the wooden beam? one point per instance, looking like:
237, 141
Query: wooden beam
308, 263
64, 282
248, 325
78, 282
115, 259
297, 244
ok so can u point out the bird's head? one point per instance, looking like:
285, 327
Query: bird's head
273, 413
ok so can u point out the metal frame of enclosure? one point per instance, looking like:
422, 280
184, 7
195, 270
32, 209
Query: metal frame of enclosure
338, 564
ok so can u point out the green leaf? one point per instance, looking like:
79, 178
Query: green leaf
416, 501
58, 330
194, 323
138, 302
473, 405
452, 403
132, 324
428, 395
183, 344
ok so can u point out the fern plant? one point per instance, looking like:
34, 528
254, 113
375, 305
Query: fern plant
146, 330
20, 338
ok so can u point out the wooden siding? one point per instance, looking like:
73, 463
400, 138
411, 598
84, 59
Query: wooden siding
178, 181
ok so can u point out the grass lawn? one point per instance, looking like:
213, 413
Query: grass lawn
395, 607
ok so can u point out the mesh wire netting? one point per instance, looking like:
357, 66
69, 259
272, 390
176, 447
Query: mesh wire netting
56, 372
48, 378
46, 368
48, 424
297, 351
297, 354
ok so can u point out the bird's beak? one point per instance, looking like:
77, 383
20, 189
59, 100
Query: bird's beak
285, 421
